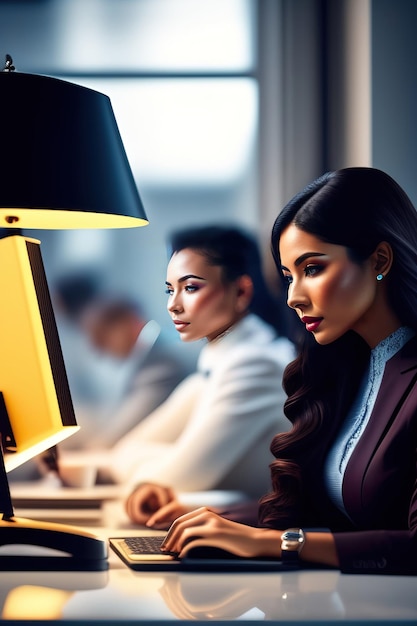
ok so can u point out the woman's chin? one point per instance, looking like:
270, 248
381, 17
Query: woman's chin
187, 338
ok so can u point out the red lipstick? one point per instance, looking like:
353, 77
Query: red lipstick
312, 323
179, 325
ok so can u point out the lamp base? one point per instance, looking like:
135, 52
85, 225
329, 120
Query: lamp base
31, 545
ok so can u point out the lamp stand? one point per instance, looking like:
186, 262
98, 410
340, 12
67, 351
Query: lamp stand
21, 538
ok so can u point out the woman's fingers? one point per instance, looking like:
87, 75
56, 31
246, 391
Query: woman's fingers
193, 524
176, 529
166, 515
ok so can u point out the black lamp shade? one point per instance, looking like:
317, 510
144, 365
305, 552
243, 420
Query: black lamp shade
62, 160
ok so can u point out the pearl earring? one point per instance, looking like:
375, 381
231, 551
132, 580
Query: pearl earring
380, 276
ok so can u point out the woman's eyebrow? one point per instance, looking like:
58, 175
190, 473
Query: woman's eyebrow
302, 258
186, 277
305, 256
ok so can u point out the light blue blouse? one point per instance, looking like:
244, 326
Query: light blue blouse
359, 413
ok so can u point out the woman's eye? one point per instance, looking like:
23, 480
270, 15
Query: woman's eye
287, 278
312, 270
169, 291
190, 288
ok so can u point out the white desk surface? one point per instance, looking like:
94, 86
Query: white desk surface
121, 595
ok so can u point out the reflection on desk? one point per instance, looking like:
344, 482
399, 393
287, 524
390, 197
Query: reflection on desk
43, 595
288, 598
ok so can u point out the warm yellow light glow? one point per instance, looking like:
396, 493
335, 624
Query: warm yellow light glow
32, 602
62, 219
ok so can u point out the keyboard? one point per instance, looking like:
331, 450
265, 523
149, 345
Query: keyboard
145, 547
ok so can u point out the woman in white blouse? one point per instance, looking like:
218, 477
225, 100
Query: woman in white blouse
215, 429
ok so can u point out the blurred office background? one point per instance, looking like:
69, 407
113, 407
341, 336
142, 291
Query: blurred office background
226, 108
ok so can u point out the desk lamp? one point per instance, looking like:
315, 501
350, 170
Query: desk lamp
63, 165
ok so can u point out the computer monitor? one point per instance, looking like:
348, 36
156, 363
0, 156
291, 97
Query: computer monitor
36, 410
33, 379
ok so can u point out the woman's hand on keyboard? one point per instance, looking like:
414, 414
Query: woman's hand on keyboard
204, 528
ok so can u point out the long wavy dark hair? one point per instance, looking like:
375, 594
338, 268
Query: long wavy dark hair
357, 208
237, 253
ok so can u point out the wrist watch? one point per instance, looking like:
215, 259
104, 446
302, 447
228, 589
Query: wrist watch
292, 542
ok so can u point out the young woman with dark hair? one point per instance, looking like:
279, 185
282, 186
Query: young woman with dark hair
344, 479
213, 432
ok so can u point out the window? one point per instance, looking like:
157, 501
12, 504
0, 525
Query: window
181, 76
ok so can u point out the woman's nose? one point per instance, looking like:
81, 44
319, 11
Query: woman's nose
296, 297
174, 304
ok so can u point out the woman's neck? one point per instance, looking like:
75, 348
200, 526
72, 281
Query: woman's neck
379, 322
226, 330
385, 328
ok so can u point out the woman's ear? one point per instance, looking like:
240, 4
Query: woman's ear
244, 293
382, 258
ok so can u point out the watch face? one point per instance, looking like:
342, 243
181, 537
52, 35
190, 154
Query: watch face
292, 535
292, 540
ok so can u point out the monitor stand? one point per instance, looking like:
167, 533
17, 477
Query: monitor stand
32, 545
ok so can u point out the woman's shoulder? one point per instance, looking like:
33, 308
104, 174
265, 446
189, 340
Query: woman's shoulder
279, 352
256, 345
262, 336
254, 329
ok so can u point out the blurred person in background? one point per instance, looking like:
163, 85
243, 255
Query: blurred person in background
116, 326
